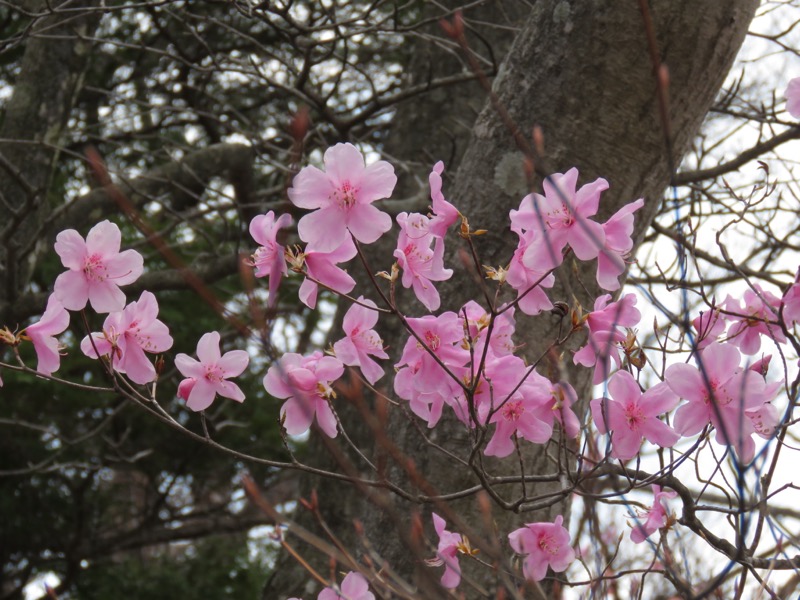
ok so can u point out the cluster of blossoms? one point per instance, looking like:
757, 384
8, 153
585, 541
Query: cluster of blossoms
463, 361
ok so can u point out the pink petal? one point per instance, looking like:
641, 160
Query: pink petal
311, 188
367, 223
137, 366
208, 348
323, 230
105, 296
125, 267
103, 239
201, 396
228, 389
71, 247
233, 363
72, 290
297, 416
189, 367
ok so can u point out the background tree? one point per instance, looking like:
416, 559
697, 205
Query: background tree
189, 105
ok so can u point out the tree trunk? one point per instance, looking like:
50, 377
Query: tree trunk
32, 130
583, 73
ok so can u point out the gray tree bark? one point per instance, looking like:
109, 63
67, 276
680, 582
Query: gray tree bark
33, 128
583, 73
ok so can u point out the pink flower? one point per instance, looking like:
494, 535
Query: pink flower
656, 516
618, 244
529, 281
127, 335
209, 376
792, 94
562, 215
361, 340
720, 392
344, 194
54, 321
96, 268
758, 316
268, 258
543, 545
605, 334
306, 383
631, 416
445, 214
420, 264
354, 587
321, 266
447, 554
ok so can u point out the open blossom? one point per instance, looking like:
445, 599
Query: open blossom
127, 335
529, 281
343, 194
654, 519
268, 258
96, 268
321, 267
420, 264
562, 216
543, 545
631, 416
447, 553
209, 376
618, 243
420, 379
757, 317
354, 587
361, 340
54, 321
792, 94
605, 325
719, 392
305, 381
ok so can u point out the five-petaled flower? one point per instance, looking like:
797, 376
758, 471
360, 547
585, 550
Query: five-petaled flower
361, 340
542, 545
268, 259
343, 194
96, 268
127, 335
655, 518
305, 381
630, 415
209, 376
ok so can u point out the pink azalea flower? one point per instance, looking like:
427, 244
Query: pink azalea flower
792, 94
618, 244
631, 416
54, 321
529, 281
306, 383
543, 545
127, 335
96, 268
654, 519
420, 264
557, 406
420, 379
344, 194
562, 215
605, 325
361, 340
445, 214
757, 317
209, 376
268, 259
720, 393
447, 554
354, 587
321, 266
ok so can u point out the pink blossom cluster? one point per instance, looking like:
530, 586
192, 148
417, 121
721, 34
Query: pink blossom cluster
464, 361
